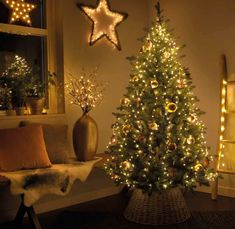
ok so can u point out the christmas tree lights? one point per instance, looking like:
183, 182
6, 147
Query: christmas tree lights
158, 141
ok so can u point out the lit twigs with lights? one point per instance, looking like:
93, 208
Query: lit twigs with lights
158, 141
85, 91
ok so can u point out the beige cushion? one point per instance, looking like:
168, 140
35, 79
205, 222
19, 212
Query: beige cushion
56, 141
23, 148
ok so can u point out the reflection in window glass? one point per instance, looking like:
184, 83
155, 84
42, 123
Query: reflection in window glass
32, 48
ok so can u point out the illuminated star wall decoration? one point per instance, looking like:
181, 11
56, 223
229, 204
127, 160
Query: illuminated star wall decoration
20, 10
104, 22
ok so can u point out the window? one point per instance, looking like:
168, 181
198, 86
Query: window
39, 44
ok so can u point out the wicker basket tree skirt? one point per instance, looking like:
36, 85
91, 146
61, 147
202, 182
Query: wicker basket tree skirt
164, 208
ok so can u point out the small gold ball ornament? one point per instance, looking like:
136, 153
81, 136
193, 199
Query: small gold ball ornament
125, 102
192, 118
153, 126
154, 84
171, 107
126, 165
197, 167
135, 79
190, 140
172, 147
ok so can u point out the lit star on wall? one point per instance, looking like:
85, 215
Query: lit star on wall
104, 22
20, 10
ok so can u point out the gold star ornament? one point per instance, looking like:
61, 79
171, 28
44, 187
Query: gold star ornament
20, 10
104, 22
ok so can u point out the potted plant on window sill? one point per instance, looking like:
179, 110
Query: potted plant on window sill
36, 91
35, 99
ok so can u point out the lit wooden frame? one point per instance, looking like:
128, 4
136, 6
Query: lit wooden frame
224, 112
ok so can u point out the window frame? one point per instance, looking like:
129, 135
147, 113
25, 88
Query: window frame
53, 33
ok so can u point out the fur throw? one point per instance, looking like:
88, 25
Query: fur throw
57, 179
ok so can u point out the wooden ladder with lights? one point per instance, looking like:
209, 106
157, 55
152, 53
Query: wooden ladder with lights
225, 111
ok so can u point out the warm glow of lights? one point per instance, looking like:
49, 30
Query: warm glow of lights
20, 11
222, 121
85, 91
104, 22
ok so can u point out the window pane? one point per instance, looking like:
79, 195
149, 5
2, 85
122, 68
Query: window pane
32, 48
37, 15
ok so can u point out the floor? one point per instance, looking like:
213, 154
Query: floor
116, 204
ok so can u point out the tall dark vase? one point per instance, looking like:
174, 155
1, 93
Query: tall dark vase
85, 138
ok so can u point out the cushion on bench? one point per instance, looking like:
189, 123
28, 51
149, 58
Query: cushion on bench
23, 148
56, 141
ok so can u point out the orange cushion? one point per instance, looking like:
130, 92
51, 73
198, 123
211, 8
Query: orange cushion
56, 141
23, 148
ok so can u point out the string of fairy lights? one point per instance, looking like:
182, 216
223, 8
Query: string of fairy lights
85, 91
222, 123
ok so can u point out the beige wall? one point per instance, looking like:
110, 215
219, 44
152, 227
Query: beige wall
113, 66
208, 30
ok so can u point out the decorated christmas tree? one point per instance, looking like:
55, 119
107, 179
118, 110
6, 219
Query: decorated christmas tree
158, 141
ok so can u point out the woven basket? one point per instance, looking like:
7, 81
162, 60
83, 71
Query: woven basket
165, 208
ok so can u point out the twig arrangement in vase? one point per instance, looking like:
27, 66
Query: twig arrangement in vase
85, 91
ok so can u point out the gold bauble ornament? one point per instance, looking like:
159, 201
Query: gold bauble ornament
125, 102
192, 118
171, 107
153, 126
190, 140
126, 165
154, 84
172, 147
197, 167
135, 79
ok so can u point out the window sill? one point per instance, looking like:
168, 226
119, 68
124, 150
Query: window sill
20, 117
